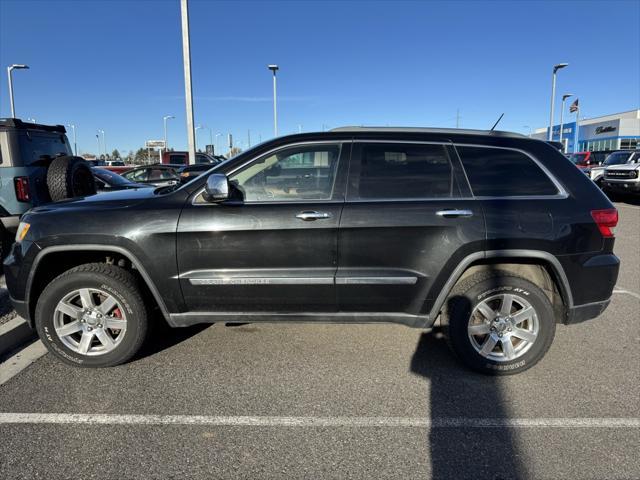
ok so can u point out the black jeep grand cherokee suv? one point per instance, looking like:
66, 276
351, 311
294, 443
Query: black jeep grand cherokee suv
494, 235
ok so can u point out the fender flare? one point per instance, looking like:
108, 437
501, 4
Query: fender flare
559, 272
97, 247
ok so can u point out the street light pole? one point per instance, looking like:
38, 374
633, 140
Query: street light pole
274, 69
186, 57
564, 97
217, 152
104, 143
164, 119
553, 97
9, 70
529, 127
75, 144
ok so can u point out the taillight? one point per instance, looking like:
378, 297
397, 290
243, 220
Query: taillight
606, 220
22, 189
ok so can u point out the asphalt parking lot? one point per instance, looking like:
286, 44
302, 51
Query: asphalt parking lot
338, 401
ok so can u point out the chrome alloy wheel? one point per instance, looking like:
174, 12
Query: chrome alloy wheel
90, 321
503, 327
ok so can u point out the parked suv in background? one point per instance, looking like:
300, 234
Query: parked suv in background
36, 166
585, 160
624, 177
494, 236
620, 157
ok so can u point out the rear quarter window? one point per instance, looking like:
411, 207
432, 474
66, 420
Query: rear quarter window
497, 172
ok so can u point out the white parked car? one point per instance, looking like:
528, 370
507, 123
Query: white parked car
621, 157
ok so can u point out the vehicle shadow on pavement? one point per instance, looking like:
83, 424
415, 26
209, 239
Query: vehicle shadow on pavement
456, 392
162, 336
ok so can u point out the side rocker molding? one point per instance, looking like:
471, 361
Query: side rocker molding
514, 253
97, 247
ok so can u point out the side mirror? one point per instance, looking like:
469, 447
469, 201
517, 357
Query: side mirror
217, 188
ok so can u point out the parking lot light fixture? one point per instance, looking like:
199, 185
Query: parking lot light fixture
274, 69
527, 126
104, 143
196, 136
164, 119
75, 143
564, 98
553, 97
11, 68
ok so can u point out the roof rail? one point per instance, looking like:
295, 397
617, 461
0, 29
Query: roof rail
447, 131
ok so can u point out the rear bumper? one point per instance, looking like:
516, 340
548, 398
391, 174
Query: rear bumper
10, 222
22, 309
582, 313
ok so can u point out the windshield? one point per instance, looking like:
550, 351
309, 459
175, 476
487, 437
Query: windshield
109, 177
617, 158
578, 158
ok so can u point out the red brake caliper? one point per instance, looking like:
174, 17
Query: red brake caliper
118, 314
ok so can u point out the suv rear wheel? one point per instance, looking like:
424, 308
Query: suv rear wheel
499, 323
92, 316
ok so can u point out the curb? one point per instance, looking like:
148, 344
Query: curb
13, 334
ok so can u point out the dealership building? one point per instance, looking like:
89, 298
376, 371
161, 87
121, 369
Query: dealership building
619, 131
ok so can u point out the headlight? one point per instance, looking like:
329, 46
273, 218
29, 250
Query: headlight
23, 228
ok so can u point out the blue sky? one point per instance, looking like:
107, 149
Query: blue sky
117, 65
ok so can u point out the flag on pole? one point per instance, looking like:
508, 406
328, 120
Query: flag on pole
574, 106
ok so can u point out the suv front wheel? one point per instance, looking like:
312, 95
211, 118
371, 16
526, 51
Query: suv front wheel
499, 323
92, 316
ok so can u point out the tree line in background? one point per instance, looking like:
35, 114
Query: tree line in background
144, 156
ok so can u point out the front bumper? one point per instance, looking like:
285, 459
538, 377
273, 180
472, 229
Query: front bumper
623, 187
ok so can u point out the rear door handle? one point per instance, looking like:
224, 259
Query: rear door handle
454, 213
308, 216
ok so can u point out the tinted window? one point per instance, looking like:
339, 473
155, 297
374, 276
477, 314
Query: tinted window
35, 145
140, 175
498, 172
109, 177
398, 171
297, 173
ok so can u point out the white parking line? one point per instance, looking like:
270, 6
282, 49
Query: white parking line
256, 421
21, 360
627, 292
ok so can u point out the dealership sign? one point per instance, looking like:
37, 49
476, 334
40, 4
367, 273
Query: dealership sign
605, 129
154, 144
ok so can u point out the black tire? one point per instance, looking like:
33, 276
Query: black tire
119, 283
69, 177
484, 286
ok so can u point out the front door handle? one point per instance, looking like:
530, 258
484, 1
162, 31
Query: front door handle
310, 215
453, 213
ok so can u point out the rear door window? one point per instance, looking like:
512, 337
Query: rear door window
402, 171
499, 172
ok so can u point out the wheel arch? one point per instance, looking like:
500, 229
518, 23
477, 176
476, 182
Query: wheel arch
59, 256
545, 269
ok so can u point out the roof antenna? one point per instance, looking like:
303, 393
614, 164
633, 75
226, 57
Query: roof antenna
497, 122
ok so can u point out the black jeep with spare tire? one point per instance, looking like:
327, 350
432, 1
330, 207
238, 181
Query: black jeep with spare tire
494, 236
36, 167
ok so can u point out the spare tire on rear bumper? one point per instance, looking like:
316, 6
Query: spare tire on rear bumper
69, 177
